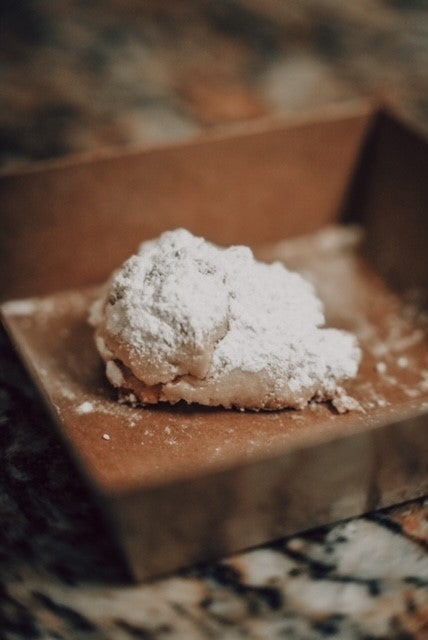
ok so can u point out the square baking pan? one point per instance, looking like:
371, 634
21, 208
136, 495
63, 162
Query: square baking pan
179, 485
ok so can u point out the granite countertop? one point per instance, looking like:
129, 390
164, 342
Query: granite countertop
79, 77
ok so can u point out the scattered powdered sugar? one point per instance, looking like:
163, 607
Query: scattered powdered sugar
68, 393
28, 306
85, 407
403, 362
19, 307
184, 306
344, 403
381, 367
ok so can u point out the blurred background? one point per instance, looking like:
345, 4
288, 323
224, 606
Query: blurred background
81, 75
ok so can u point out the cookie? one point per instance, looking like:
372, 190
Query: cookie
185, 320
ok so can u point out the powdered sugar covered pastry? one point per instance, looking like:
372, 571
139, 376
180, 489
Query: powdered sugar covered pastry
187, 320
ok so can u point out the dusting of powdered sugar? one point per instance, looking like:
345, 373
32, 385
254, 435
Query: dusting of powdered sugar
186, 306
85, 407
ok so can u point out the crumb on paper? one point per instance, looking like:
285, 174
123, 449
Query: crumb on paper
403, 362
381, 402
408, 341
380, 349
19, 307
69, 394
85, 407
424, 384
106, 436
381, 367
28, 306
343, 403
412, 393
128, 399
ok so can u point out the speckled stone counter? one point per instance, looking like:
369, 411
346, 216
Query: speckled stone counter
78, 77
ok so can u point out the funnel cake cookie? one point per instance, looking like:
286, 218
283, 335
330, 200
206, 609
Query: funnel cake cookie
187, 320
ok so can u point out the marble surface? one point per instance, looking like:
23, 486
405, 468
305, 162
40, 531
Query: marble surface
81, 76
